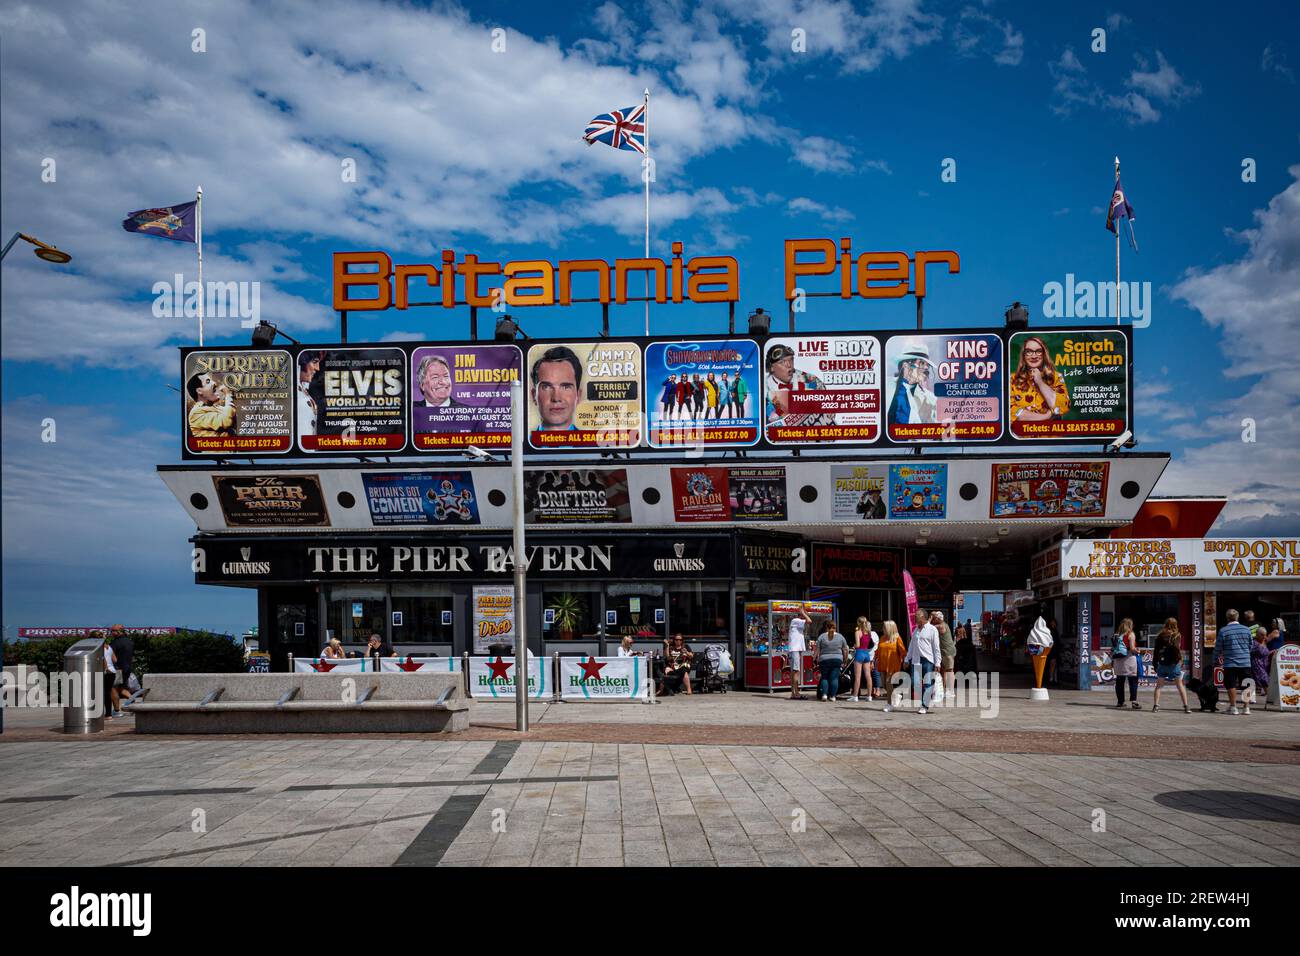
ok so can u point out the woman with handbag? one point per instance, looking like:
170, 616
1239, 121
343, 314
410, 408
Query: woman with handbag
1124, 663
1169, 663
864, 652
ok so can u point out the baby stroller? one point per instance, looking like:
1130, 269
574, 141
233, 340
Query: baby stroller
708, 670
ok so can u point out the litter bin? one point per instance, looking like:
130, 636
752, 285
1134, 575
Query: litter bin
85, 660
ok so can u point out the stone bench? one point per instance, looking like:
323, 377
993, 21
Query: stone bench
301, 704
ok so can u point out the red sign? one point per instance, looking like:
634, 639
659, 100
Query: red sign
37, 633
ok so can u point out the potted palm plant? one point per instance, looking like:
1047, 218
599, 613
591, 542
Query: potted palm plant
568, 615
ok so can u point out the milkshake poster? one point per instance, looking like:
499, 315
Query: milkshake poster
352, 400
584, 395
823, 389
918, 491
943, 388
702, 393
1067, 385
461, 396
238, 402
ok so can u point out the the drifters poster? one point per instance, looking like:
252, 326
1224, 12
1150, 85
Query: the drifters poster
859, 492
1067, 384
352, 400
461, 396
426, 497
584, 395
258, 500
943, 388
238, 402
576, 495
823, 389
702, 393
727, 494
1031, 490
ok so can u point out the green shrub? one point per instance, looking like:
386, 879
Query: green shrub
185, 652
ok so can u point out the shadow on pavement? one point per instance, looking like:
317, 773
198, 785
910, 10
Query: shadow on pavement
1233, 805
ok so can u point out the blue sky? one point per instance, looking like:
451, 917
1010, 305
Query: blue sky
461, 147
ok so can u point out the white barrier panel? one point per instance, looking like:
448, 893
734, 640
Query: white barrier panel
426, 665
604, 678
306, 665
493, 678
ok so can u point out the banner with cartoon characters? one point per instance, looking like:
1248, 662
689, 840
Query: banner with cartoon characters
425, 497
1037, 489
918, 491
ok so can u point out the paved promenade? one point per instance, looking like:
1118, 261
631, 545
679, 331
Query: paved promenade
703, 781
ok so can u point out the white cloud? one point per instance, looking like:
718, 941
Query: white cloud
1146, 88
1254, 302
1276, 61
802, 205
1116, 20
978, 33
1164, 83
823, 155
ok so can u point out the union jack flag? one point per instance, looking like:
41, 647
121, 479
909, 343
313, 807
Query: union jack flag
622, 129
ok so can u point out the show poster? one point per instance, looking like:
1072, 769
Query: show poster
702, 393
1068, 385
260, 500
859, 492
823, 389
238, 402
352, 400
729, 494
576, 496
918, 491
943, 387
1035, 489
460, 395
584, 395
494, 616
426, 497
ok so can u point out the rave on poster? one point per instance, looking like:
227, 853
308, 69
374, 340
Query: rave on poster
351, 400
1033, 489
238, 402
584, 395
858, 492
918, 491
460, 395
729, 494
425, 497
822, 389
945, 387
576, 495
1066, 385
702, 393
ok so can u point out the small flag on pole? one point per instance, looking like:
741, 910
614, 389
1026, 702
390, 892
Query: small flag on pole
169, 222
1119, 207
621, 129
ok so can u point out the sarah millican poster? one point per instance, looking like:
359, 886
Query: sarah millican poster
461, 396
859, 492
351, 400
426, 497
584, 395
1067, 385
1033, 489
943, 387
576, 495
823, 389
238, 402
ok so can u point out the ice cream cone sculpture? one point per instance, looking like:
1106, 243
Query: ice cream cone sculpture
1040, 662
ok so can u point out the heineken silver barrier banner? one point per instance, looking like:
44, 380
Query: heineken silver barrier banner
604, 678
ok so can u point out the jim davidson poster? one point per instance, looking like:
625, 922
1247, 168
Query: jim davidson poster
461, 396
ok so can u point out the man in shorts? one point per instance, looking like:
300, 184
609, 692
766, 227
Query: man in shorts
1232, 649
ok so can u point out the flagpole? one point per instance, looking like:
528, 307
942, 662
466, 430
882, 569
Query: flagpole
1117, 316
198, 238
645, 175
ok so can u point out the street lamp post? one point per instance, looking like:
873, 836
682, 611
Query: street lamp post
43, 249
521, 560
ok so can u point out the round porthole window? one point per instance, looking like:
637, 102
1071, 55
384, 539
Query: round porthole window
200, 502
346, 499
496, 497
969, 491
650, 496
1130, 489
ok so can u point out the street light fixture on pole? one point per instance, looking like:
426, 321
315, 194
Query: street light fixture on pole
521, 559
43, 249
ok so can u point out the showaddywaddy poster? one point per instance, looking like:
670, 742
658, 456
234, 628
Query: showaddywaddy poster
702, 392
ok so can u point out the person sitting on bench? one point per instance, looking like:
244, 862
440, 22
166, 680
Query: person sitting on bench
677, 665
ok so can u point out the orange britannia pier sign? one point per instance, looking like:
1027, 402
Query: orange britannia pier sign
369, 282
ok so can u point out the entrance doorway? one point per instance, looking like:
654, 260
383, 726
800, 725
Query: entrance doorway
291, 624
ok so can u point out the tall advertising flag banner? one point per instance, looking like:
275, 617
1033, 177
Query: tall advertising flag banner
576, 496
943, 388
1036, 489
823, 389
702, 393
460, 396
238, 402
352, 400
918, 491
428, 497
859, 492
909, 598
584, 395
1068, 385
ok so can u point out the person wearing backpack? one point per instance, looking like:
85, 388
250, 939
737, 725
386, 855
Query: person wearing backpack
1124, 663
1169, 663
865, 642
